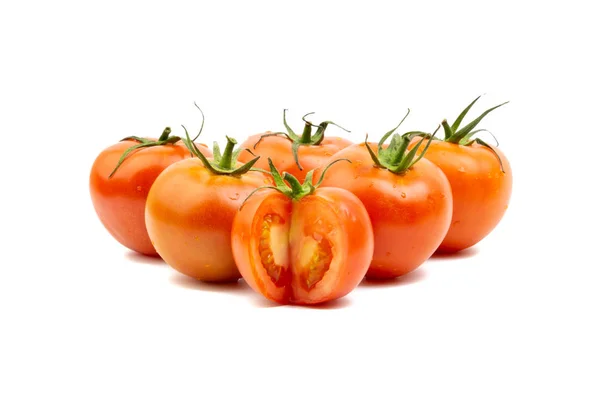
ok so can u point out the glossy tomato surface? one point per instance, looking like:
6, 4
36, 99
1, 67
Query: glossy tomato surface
410, 213
120, 200
303, 252
279, 149
189, 214
480, 190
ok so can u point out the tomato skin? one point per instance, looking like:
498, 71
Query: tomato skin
279, 149
352, 242
410, 213
480, 190
189, 214
120, 201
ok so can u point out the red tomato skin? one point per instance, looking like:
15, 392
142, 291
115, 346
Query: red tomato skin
355, 249
189, 214
410, 213
481, 191
279, 149
120, 201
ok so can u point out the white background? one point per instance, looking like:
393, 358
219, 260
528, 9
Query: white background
83, 318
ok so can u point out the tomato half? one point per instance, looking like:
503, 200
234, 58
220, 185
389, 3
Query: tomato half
120, 200
410, 212
189, 213
305, 251
481, 191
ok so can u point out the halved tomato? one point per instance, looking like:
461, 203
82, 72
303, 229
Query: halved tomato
303, 249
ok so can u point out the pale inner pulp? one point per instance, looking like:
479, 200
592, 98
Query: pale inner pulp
309, 251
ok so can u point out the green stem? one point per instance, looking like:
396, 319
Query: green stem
165, 134
448, 132
306, 134
226, 159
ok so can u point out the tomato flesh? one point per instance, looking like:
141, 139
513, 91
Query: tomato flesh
276, 268
316, 257
306, 255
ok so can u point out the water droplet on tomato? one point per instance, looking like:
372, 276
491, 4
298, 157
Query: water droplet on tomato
461, 169
403, 195
139, 188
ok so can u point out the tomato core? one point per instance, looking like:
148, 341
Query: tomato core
320, 252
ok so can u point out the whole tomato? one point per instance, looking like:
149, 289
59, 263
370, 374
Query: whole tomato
120, 179
190, 210
481, 180
302, 244
408, 199
295, 154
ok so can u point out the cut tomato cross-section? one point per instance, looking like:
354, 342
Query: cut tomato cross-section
305, 251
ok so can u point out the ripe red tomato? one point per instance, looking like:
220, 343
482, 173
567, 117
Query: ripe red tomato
408, 199
481, 180
190, 210
120, 199
306, 246
291, 153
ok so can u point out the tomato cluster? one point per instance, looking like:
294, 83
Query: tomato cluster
303, 219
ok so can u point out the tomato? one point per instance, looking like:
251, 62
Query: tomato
190, 211
481, 179
305, 249
120, 199
408, 199
291, 153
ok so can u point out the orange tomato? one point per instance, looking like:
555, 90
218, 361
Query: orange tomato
481, 179
190, 211
481, 191
120, 199
292, 153
304, 250
410, 212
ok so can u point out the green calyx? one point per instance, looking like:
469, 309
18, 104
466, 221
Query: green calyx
290, 186
163, 140
465, 136
308, 138
222, 163
396, 157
